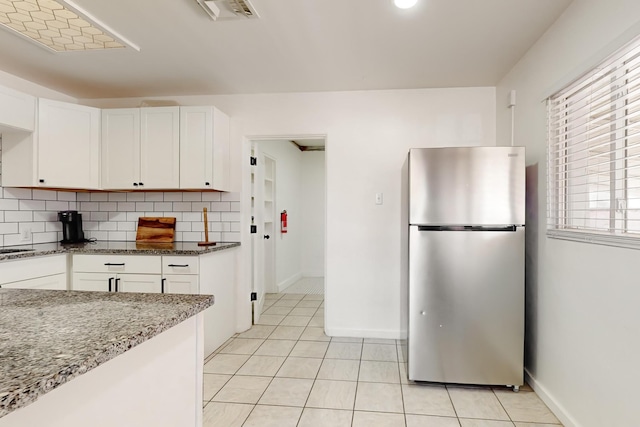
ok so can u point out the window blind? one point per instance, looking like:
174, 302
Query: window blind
593, 191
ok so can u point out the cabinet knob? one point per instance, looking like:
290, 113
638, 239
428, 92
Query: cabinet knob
41, 181
135, 184
206, 183
141, 184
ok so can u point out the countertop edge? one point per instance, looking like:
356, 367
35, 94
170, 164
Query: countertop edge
89, 250
13, 400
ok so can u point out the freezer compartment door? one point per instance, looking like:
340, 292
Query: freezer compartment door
473, 185
466, 306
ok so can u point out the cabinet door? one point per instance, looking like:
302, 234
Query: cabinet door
147, 283
221, 151
17, 110
180, 284
121, 148
160, 147
68, 145
56, 282
196, 147
93, 282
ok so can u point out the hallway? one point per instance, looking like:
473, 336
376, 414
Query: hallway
285, 372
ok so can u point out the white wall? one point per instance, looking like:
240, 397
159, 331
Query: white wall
368, 136
287, 189
22, 85
369, 133
583, 326
312, 211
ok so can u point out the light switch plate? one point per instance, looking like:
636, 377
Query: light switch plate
378, 198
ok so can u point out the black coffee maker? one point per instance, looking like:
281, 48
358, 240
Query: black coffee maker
71, 227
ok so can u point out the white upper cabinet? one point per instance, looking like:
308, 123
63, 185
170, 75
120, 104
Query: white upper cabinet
160, 147
121, 148
63, 151
17, 110
141, 148
68, 145
204, 148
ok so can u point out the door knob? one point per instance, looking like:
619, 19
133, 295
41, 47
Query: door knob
266, 236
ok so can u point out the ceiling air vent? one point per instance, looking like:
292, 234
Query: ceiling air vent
227, 10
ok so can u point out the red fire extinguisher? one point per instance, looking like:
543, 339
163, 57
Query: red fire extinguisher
283, 222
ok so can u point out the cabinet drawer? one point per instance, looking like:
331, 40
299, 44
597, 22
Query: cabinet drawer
179, 265
136, 264
30, 268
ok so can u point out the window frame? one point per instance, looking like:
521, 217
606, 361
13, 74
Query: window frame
569, 210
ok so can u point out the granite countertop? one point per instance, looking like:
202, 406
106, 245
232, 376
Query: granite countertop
49, 337
115, 247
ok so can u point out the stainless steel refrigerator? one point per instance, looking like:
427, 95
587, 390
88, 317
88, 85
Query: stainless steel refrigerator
464, 235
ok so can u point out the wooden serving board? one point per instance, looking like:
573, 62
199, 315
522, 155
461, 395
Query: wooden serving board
156, 229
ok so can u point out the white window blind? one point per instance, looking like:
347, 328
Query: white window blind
594, 154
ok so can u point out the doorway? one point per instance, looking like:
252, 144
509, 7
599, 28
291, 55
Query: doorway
287, 182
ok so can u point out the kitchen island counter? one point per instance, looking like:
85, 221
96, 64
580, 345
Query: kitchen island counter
115, 247
48, 338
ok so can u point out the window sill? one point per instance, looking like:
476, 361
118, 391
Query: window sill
596, 238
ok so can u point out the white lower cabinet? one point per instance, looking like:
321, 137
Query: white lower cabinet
180, 274
48, 272
180, 284
147, 283
117, 273
92, 282
107, 282
211, 274
54, 282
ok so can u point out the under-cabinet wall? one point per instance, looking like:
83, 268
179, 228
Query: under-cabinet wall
114, 216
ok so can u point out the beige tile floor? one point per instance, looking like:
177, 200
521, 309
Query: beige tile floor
285, 372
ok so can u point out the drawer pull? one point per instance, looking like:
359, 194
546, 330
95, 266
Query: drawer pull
117, 281
162, 282
121, 264
110, 282
178, 265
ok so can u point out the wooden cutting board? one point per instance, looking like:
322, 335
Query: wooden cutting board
156, 229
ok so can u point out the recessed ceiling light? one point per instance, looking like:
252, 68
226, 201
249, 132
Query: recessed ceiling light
405, 4
59, 25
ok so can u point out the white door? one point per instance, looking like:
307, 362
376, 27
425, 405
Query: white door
180, 284
121, 148
68, 134
196, 147
159, 148
257, 241
147, 283
93, 282
55, 282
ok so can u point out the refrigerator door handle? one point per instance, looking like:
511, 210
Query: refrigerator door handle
466, 228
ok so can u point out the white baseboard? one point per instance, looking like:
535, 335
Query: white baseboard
313, 274
288, 282
389, 334
558, 410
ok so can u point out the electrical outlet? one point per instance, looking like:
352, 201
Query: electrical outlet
26, 234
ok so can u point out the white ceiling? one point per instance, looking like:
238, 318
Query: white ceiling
295, 46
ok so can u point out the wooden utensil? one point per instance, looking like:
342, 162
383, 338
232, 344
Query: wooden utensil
156, 229
206, 231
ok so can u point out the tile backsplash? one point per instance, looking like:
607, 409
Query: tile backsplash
30, 216
114, 216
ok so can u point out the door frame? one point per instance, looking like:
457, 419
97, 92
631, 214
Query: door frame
244, 303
